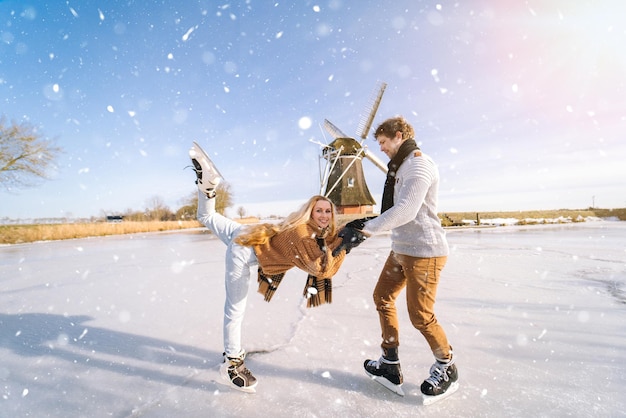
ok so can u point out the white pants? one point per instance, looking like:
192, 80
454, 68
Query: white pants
238, 262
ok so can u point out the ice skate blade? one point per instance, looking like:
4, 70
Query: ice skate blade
429, 400
196, 152
230, 384
397, 389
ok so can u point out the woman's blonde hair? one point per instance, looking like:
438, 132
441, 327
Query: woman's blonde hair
260, 234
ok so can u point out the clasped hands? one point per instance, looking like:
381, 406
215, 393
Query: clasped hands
351, 236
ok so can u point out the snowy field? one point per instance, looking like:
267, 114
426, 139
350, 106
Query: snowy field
130, 326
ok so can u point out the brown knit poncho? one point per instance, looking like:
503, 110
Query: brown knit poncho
298, 247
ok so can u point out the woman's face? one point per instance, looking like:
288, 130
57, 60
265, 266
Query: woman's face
322, 213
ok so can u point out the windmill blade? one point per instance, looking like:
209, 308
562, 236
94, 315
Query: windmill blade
333, 130
366, 122
321, 144
377, 161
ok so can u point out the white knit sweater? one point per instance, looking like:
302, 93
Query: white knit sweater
415, 228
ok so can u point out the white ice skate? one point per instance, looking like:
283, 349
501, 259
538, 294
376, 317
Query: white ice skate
208, 176
235, 372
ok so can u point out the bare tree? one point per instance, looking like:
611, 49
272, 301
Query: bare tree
25, 155
224, 198
241, 211
189, 207
157, 210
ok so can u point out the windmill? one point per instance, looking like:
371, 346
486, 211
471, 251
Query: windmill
342, 179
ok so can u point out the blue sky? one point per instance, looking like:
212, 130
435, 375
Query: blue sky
522, 104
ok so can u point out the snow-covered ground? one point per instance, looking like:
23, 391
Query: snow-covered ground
131, 326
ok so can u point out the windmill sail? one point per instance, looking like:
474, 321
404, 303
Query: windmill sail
375, 160
333, 130
366, 122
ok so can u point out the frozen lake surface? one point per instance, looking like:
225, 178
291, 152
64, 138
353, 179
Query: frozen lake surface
130, 326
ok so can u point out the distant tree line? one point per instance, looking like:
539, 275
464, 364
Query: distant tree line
157, 210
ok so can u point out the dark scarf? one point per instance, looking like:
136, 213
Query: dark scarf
405, 149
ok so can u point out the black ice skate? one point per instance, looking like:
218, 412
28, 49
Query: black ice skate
208, 176
441, 383
386, 372
235, 372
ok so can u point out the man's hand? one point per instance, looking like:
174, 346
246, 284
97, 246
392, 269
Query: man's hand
359, 223
350, 238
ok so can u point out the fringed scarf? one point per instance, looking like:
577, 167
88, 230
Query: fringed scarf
316, 291
405, 149
268, 284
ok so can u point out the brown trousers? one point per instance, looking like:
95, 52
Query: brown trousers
420, 276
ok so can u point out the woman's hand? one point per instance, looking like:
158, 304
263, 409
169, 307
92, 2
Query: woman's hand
350, 238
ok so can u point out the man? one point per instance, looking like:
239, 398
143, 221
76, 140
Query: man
419, 252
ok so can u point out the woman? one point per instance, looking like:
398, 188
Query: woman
305, 239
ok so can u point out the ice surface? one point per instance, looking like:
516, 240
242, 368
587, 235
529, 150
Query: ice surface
131, 326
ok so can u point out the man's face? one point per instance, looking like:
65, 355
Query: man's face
388, 145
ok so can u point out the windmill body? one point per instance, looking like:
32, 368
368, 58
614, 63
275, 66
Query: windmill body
342, 179
345, 184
